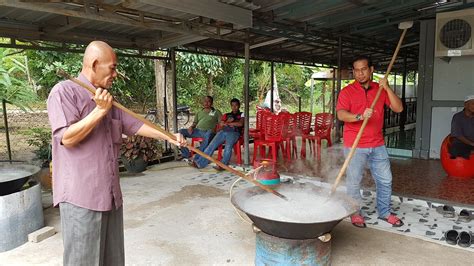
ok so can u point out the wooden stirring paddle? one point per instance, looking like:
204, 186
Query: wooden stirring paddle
249, 178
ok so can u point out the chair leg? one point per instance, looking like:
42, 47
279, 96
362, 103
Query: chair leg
274, 151
255, 148
238, 152
295, 148
319, 150
303, 147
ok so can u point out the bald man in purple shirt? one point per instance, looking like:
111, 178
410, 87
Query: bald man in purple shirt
87, 133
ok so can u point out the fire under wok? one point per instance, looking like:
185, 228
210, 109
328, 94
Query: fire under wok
309, 212
14, 175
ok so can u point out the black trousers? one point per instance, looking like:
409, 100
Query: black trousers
459, 149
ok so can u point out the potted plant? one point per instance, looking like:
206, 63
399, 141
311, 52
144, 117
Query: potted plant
40, 138
137, 151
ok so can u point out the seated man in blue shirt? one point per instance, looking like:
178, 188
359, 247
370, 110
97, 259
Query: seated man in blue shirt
462, 129
231, 126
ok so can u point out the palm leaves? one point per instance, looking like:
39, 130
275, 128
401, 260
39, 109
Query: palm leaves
14, 85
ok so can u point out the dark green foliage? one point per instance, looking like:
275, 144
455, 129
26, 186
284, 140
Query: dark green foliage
40, 138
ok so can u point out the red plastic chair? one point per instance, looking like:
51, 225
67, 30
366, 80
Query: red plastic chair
197, 139
273, 137
303, 123
237, 150
258, 132
323, 123
289, 134
458, 167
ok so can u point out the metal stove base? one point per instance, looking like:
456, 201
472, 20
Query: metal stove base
271, 250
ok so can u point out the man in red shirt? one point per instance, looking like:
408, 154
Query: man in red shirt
353, 106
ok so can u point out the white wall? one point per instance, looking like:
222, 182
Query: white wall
452, 81
440, 127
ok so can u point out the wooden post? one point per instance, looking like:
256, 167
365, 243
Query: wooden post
160, 90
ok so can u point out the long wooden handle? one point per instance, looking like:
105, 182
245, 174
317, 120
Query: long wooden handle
65, 75
366, 120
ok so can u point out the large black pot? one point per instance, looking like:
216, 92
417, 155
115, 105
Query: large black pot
295, 230
14, 175
137, 165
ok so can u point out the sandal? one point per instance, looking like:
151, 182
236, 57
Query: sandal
452, 237
464, 239
218, 168
465, 216
393, 220
193, 164
358, 221
446, 210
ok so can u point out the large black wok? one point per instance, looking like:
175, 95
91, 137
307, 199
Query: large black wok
14, 175
295, 230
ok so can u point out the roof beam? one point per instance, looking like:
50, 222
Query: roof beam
115, 18
277, 40
69, 26
207, 8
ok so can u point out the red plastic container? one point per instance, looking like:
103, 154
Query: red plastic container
458, 167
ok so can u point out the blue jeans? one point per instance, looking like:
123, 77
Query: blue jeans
229, 137
379, 164
197, 133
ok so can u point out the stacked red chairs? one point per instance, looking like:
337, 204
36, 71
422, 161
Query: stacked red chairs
289, 134
273, 136
259, 130
323, 123
303, 123
237, 150
302, 126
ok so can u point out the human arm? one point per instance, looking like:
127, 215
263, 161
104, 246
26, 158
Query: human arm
396, 104
78, 131
147, 131
194, 124
465, 141
347, 116
457, 130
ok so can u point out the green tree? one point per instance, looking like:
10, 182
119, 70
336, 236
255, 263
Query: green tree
14, 86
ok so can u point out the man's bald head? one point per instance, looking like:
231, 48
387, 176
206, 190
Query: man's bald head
99, 64
96, 50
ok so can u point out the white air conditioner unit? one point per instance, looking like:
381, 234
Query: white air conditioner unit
454, 33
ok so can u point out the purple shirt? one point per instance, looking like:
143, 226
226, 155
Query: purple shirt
86, 175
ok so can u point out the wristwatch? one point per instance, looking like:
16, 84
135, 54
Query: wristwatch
358, 117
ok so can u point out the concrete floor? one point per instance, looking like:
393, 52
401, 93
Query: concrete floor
173, 220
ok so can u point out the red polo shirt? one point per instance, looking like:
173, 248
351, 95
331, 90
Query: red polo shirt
355, 99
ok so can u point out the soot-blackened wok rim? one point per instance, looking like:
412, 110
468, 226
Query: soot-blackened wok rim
31, 169
256, 190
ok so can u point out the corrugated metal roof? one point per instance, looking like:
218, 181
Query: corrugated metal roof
306, 31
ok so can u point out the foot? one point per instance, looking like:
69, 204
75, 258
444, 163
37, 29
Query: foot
358, 220
192, 164
218, 168
393, 220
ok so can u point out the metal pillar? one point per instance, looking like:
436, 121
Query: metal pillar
312, 95
333, 92
247, 107
339, 85
7, 131
272, 73
403, 115
425, 89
